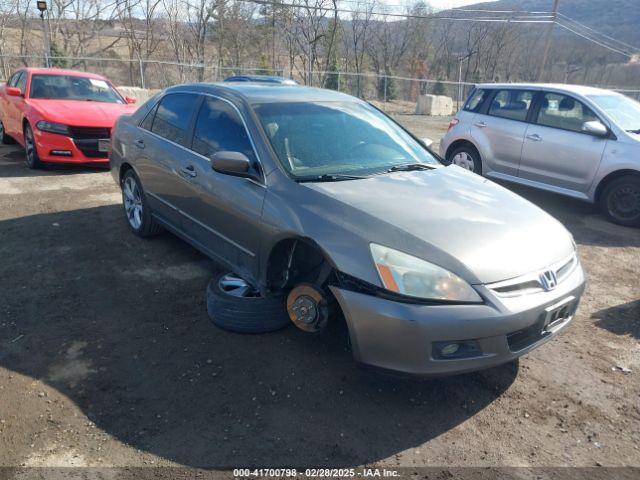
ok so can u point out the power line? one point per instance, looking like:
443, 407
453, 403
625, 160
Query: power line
571, 20
593, 40
435, 16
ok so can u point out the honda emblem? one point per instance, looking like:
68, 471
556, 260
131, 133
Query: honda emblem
548, 280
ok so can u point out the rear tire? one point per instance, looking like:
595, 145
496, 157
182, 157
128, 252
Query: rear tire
136, 209
620, 201
466, 157
6, 139
235, 306
31, 150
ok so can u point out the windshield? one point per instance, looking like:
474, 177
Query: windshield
69, 87
337, 138
624, 111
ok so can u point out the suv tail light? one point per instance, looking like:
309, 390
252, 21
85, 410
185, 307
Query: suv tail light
453, 123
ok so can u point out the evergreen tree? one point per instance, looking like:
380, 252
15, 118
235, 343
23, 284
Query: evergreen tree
56, 54
439, 88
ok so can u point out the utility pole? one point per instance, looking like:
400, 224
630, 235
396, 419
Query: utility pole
42, 6
547, 48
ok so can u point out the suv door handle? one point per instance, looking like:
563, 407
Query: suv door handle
480, 124
534, 137
189, 171
140, 143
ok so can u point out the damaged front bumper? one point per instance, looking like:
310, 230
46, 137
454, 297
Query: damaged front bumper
416, 338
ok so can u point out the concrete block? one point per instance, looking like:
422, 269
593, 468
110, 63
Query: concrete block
434, 105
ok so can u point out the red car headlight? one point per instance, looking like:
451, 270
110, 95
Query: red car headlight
52, 127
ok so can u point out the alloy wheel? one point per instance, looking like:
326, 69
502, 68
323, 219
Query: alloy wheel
464, 160
236, 287
30, 147
132, 202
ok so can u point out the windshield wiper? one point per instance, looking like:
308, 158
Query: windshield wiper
637, 131
408, 167
330, 177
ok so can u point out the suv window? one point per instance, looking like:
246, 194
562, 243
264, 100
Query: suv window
562, 111
475, 101
172, 117
511, 104
220, 128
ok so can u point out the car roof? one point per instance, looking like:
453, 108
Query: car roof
558, 87
259, 78
60, 71
266, 93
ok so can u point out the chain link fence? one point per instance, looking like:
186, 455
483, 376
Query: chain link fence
395, 94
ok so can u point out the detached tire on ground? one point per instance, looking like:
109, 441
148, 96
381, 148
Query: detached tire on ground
235, 306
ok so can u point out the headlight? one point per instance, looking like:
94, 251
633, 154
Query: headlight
411, 276
52, 127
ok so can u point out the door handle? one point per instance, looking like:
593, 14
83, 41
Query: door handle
480, 124
534, 137
189, 171
140, 143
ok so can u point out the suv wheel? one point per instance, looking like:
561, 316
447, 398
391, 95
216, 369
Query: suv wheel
236, 306
620, 201
466, 157
136, 210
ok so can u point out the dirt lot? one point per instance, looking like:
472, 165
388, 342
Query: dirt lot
107, 357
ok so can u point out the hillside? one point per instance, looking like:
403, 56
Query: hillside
617, 18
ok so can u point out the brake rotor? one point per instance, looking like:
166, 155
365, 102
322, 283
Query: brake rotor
307, 307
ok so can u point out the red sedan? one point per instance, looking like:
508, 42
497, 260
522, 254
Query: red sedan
60, 116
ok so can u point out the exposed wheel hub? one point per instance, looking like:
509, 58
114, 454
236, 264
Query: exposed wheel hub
307, 308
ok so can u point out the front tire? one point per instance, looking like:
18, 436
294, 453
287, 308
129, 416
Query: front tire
136, 209
236, 306
466, 157
620, 201
31, 151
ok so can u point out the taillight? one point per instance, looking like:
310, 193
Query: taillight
453, 123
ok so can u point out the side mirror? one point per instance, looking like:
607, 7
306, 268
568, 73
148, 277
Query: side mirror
130, 100
14, 92
427, 142
232, 163
595, 128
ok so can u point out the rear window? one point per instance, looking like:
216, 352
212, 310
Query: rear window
475, 101
172, 117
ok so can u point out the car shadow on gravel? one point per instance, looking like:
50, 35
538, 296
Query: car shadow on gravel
582, 219
12, 165
119, 326
622, 319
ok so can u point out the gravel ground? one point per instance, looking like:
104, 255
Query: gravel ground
107, 357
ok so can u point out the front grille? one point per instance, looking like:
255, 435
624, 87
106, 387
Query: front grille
531, 283
86, 139
524, 338
89, 132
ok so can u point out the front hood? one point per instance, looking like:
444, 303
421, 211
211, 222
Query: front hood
494, 233
81, 113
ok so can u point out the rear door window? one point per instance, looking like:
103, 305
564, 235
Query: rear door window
564, 112
220, 128
511, 104
173, 115
475, 101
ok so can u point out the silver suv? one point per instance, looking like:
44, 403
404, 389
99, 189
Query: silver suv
573, 140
